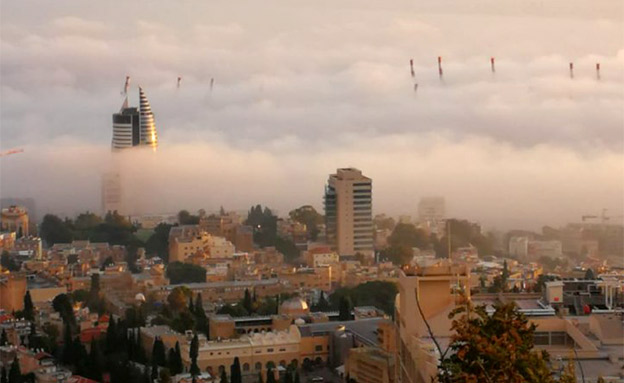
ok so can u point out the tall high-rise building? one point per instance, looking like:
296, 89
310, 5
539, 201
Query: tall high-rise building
348, 212
431, 209
134, 127
126, 130
148, 128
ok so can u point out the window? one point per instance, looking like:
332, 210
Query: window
269, 350
258, 366
246, 367
318, 348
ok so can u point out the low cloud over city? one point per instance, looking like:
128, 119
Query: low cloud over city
301, 90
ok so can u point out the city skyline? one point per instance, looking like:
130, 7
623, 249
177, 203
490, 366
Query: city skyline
329, 95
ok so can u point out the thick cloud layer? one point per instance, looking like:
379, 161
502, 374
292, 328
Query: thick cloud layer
302, 88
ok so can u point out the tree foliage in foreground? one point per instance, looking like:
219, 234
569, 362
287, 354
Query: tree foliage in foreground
496, 348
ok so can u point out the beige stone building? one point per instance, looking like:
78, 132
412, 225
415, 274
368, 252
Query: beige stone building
348, 212
14, 218
256, 352
189, 240
12, 291
594, 340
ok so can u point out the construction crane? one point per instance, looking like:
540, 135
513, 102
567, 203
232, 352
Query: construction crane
11, 151
603, 216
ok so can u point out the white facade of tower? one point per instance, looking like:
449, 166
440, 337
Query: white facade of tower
148, 128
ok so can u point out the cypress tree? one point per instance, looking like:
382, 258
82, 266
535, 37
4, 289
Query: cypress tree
199, 305
4, 339
154, 370
29, 312
158, 353
191, 305
193, 353
260, 380
96, 362
3, 376
224, 378
235, 372
179, 367
297, 377
344, 309
15, 374
270, 376
67, 357
111, 336
247, 304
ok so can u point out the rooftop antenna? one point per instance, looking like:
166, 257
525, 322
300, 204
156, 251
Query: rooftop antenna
597, 71
492, 65
440, 73
571, 70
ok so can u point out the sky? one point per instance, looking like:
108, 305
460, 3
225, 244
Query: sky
302, 88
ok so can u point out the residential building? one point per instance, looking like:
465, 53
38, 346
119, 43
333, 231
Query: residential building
348, 212
321, 256
432, 213
15, 219
525, 248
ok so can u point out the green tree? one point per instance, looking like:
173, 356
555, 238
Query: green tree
179, 272
247, 304
54, 230
29, 311
67, 356
193, 354
3, 375
496, 348
8, 262
95, 362
260, 380
322, 304
270, 376
406, 234
158, 243
63, 305
177, 298
4, 339
224, 378
589, 275
111, 336
569, 373
158, 353
94, 301
399, 255
235, 372
308, 216
505, 276
175, 360
186, 218
165, 376
344, 312
15, 374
